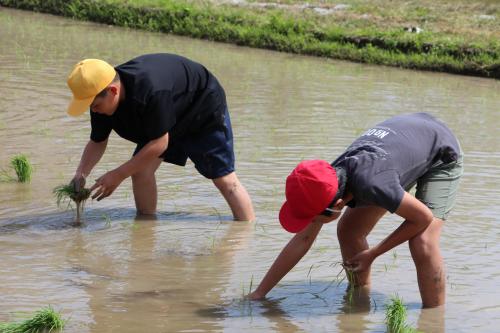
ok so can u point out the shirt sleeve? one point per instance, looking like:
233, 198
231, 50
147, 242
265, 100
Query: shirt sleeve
159, 115
383, 189
101, 126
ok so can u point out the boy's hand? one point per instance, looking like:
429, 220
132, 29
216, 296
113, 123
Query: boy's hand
78, 183
254, 296
361, 261
106, 184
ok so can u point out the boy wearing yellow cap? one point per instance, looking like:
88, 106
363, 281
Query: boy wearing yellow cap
173, 109
372, 177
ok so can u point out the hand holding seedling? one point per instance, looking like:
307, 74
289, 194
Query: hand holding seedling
77, 183
255, 296
106, 184
361, 261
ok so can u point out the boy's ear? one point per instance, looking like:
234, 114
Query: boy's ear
339, 204
113, 89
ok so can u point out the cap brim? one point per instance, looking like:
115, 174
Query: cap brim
290, 222
78, 106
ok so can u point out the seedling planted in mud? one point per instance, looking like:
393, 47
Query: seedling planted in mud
349, 275
243, 291
67, 192
351, 278
106, 219
395, 317
44, 320
22, 168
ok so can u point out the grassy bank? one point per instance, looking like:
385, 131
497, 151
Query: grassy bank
457, 37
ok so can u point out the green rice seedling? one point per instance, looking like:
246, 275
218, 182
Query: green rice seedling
309, 274
44, 320
395, 317
67, 192
22, 167
243, 291
107, 220
351, 278
349, 275
251, 284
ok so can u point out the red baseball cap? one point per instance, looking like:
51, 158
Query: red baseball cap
310, 189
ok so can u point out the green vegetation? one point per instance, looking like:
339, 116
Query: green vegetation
107, 219
458, 36
22, 167
44, 320
395, 317
351, 278
65, 192
244, 292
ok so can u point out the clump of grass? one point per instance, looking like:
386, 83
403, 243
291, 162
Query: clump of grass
44, 320
22, 167
65, 193
395, 317
351, 278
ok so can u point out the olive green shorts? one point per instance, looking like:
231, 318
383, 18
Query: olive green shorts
437, 188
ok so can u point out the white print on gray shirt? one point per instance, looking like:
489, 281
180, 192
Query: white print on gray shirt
376, 132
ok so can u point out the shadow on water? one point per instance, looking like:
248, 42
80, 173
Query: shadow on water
149, 282
297, 301
96, 219
303, 300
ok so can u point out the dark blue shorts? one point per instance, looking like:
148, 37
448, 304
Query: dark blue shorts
212, 152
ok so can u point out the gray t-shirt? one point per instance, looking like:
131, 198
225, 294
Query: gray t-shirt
390, 156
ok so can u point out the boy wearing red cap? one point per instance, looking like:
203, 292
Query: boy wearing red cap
372, 177
173, 109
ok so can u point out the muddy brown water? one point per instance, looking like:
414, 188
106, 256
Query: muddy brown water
187, 270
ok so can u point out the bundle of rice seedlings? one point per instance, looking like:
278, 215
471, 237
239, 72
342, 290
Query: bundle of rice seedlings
44, 320
22, 168
395, 316
65, 193
351, 278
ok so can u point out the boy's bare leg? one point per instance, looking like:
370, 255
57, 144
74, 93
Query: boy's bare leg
144, 186
352, 229
426, 254
236, 196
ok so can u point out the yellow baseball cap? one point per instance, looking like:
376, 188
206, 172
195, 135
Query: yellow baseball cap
88, 78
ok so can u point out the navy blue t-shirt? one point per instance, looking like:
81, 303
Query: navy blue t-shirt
163, 93
387, 158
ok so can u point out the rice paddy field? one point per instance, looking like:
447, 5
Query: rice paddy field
188, 269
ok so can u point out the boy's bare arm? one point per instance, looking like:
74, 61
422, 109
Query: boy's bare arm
91, 155
296, 248
107, 183
417, 218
